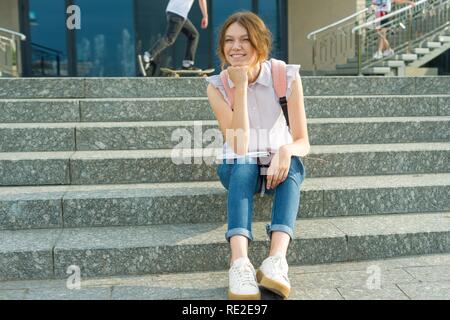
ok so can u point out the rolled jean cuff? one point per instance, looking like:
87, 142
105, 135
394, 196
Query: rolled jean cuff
238, 231
279, 227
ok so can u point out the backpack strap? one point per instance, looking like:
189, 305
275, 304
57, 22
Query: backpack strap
229, 91
279, 76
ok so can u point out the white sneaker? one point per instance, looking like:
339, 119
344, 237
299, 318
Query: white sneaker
242, 278
378, 55
147, 57
388, 53
273, 275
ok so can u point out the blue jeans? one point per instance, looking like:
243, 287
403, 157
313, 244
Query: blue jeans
241, 178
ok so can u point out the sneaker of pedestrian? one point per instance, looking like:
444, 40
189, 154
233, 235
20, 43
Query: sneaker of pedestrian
273, 275
242, 281
189, 65
378, 55
388, 53
147, 57
145, 61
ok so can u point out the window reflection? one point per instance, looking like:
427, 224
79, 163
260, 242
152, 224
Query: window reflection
105, 43
48, 42
113, 32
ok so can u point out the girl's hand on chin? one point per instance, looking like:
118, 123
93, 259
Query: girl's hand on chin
238, 74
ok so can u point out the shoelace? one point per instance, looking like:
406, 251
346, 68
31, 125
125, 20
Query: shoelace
245, 275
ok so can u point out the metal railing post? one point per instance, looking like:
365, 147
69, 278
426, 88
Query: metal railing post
358, 51
314, 52
410, 30
58, 68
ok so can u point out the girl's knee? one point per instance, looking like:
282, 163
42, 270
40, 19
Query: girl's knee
297, 171
246, 172
223, 171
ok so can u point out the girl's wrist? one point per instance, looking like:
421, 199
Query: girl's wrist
285, 151
242, 85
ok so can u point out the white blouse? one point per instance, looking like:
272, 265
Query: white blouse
268, 128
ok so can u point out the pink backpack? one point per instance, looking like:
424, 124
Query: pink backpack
279, 84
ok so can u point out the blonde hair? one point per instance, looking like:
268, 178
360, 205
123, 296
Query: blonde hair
259, 35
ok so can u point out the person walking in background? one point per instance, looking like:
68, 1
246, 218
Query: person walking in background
255, 107
383, 8
177, 21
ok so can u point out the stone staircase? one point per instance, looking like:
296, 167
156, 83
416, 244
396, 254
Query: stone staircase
402, 62
87, 176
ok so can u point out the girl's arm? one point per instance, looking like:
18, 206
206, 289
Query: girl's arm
234, 125
297, 122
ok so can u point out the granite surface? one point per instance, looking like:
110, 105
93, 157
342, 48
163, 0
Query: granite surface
185, 165
25, 88
413, 277
42, 110
196, 87
150, 109
34, 168
27, 254
35, 138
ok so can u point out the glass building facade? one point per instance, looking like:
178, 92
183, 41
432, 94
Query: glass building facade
113, 32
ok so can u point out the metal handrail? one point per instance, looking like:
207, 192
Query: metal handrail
10, 63
340, 44
364, 42
335, 23
47, 48
356, 37
14, 33
43, 52
392, 14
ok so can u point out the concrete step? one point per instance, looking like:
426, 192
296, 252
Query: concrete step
394, 63
190, 109
348, 65
39, 110
196, 87
35, 137
377, 70
35, 168
201, 202
444, 38
186, 165
43, 254
340, 72
403, 278
431, 44
421, 51
350, 69
407, 57
436, 52
391, 64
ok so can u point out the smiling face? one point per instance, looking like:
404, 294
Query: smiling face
244, 40
238, 49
